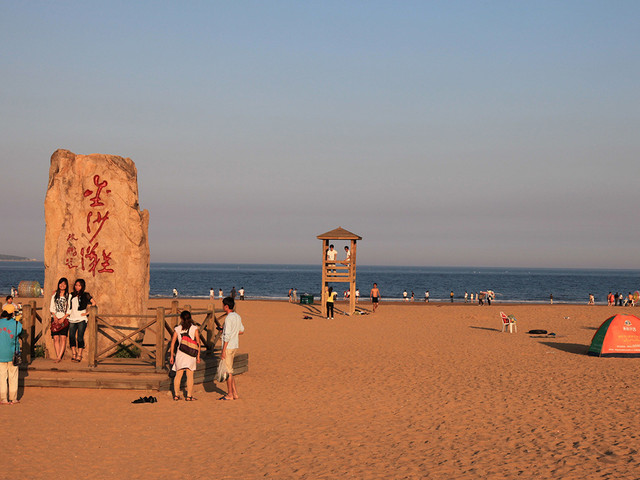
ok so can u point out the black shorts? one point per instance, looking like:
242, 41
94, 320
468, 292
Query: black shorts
374, 299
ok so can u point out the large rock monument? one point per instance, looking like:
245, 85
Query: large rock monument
96, 231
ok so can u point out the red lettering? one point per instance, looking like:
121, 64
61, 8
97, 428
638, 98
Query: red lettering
106, 260
99, 220
96, 201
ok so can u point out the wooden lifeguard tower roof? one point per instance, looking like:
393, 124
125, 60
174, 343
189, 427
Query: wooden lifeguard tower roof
339, 234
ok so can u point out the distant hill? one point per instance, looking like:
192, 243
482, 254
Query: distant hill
13, 258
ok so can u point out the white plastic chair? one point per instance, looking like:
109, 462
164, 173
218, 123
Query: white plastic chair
508, 321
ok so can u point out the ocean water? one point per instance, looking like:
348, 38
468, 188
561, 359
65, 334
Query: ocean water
273, 281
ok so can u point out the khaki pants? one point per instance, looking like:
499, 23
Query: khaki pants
8, 371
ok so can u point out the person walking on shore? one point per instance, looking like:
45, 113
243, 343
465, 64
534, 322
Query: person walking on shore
212, 294
187, 336
241, 293
220, 294
374, 295
451, 296
331, 298
551, 298
426, 296
230, 342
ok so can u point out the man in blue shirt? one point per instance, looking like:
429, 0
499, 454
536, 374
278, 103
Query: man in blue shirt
9, 332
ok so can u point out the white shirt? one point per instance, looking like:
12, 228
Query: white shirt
331, 255
232, 328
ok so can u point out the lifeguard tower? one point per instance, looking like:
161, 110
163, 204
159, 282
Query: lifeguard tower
340, 271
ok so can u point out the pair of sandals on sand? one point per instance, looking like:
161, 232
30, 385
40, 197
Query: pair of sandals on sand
77, 358
188, 398
12, 402
146, 400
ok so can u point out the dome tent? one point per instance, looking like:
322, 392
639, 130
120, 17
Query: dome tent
618, 336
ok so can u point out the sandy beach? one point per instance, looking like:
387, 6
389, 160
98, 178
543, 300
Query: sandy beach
412, 391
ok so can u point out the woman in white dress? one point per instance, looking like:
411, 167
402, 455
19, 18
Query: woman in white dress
187, 336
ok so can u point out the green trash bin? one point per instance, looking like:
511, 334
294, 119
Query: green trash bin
306, 299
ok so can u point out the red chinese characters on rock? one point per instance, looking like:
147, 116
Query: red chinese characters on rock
92, 258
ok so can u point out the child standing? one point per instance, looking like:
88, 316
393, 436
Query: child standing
232, 329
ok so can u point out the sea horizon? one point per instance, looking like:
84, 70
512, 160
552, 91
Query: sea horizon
273, 281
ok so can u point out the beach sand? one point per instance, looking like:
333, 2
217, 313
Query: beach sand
412, 391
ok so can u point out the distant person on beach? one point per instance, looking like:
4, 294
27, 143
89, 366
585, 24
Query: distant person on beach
413, 297
241, 293
8, 305
175, 293
551, 298
374, 295
591, 299
291, 295
404, 296
14, 292
295, 295
233, 292
331, 259
10, 331
610, 299
357, 295
466, 297
187, 355
59, 309
220, 294
615, 299
331, 298
451, 296
230, 343
426, 296
212, 294
80, 301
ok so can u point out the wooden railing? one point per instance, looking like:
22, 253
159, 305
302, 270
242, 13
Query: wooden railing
102, 325
33, 326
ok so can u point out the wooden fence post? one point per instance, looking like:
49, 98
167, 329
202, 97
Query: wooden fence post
174, 306
27, 326
92, 334
159, 339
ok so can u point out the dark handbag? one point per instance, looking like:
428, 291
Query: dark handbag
17, 357
188, 345
57, 326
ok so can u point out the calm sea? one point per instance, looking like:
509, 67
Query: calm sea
274, 281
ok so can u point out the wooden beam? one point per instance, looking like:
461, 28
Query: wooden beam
92, 337
159, 339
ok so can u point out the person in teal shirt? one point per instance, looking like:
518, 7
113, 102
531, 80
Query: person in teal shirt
10, 330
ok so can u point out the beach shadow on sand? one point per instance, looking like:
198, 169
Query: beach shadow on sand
590, 328
485, 328
575, 348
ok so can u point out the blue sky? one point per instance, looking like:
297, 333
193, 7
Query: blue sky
444, 133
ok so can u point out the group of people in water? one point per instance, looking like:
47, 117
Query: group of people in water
619, 299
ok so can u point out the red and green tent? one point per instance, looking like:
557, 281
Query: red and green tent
618, 336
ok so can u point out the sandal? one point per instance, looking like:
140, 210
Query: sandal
190, 399
176, 398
